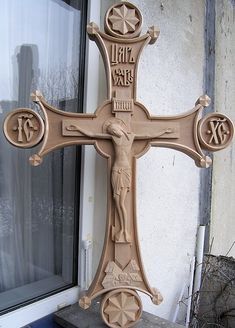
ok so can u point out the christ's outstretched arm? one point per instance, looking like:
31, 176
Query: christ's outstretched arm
154, 135
88, 133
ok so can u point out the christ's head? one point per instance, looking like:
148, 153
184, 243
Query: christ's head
116, 130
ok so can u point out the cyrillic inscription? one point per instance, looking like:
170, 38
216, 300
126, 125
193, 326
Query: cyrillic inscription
123, 76
121, 54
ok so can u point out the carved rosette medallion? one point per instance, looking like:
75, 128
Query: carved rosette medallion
123, 20
215, 131
121, 308
23, 128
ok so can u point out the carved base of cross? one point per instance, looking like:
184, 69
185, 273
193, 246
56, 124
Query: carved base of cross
75, 317
121, 306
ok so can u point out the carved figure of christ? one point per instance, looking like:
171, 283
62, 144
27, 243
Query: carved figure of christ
122, 141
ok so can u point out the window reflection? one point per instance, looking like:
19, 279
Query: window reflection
40, 51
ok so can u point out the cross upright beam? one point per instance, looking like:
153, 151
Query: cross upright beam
121, 130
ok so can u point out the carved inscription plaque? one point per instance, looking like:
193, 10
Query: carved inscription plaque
122, 105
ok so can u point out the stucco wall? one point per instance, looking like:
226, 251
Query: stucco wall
170, 81
223, 195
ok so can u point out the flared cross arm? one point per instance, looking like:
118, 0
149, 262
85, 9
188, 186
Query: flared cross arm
181, 132
53, 129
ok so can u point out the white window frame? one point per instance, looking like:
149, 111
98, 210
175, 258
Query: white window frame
32, 312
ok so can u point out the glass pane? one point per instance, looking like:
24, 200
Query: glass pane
39, 50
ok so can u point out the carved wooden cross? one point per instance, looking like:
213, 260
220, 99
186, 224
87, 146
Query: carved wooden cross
121, 130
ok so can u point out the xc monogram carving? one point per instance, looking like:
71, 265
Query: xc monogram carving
122, 130
215, 131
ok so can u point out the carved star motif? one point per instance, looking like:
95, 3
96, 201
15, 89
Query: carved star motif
122, 308
124, 19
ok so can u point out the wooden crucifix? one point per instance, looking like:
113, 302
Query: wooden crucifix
122, 130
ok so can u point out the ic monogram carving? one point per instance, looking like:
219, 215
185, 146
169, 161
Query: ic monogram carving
24, 128
122, 130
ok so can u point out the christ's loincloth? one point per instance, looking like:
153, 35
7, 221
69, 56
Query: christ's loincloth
121, 179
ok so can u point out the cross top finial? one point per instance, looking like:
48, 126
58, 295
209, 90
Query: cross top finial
123, 20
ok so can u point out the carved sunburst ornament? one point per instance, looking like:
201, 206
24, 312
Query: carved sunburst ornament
122, 308
124, 20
